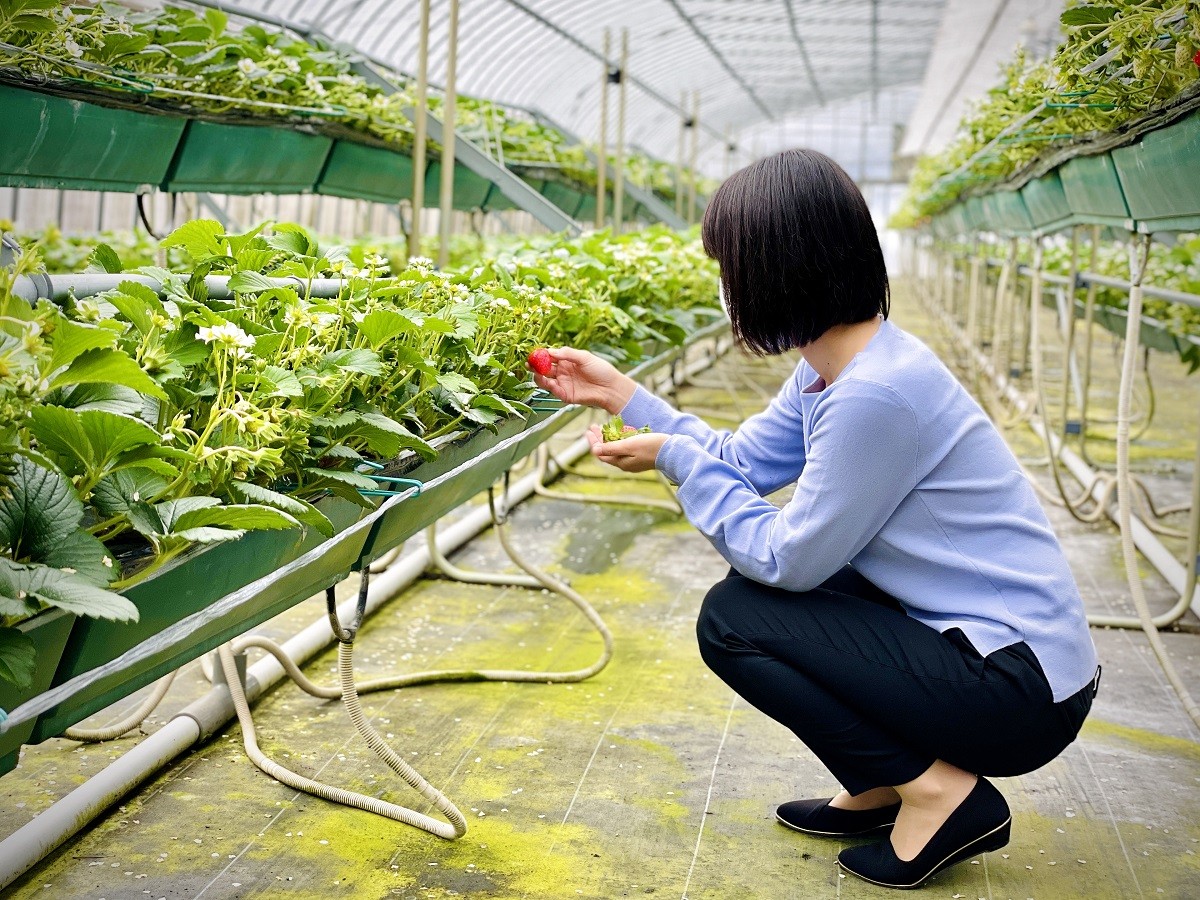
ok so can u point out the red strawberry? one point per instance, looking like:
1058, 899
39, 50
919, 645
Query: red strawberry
1196, 58
540, 362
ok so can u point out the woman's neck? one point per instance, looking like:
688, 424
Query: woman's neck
831, 352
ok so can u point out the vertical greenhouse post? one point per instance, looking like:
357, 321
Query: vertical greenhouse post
447, 198
695, 150
420, 137
602, 154
619, 173
684, 124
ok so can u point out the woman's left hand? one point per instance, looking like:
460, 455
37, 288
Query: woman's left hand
636, 453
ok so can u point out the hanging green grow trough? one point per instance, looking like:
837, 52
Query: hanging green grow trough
1160, 176
247, 159
470, 190
192, 583
476, 461
1046, 203
1093, 191
1006, 213
49, 631
359, 171
54, 142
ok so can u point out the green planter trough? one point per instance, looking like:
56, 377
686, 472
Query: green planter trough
1160, 176
462, 469
247, 159
974, 215
1046, 203
189, 584
1094, 192
49, 632
1006, 213
54, 142
359, 171
1153, 333
470, 190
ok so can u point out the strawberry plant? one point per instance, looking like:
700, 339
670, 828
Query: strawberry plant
148, 422
1117, 61
182, 61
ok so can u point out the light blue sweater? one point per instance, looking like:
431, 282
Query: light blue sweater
900, 474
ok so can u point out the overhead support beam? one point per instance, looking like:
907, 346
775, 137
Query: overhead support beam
643, 196
591, 51
720, 58
512, 187
804, 58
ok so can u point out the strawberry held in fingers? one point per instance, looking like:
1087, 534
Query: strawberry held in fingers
540, 361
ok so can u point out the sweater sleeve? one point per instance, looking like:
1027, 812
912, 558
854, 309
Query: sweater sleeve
768, 448
862, 462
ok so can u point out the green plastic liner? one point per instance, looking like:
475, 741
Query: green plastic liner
247, 159
1160, 176
1093, 191
189, 584
54, 142
49, 631
370, 173
1046, 202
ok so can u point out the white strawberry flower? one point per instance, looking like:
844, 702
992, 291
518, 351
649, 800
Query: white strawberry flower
228, 336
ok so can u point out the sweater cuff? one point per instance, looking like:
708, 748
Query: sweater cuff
644, 408
676, 457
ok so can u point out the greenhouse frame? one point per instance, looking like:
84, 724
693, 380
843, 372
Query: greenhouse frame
392, 393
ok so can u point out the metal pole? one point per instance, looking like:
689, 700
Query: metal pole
729, 148
684, 124
602, 153
451, 99
691, 215
619, 173
421, 102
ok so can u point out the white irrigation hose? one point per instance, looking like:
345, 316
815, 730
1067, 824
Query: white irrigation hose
130, 722
1139, 250
466, 576
1179, 577
1103, 480
67, 816
349, 693
541, 490
457, 826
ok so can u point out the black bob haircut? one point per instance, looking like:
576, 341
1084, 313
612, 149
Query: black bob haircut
798, 251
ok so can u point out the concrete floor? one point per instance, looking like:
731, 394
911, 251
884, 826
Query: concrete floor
652, 778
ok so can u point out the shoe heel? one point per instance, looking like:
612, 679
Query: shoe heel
995, 840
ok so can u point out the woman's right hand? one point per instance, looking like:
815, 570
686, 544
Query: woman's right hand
577, 376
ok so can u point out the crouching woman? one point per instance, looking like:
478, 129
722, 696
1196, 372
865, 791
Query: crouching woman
908, 613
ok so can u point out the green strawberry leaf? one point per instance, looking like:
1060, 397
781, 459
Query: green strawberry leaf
301, 510
18, 657
39, 511
54, 587
108, 366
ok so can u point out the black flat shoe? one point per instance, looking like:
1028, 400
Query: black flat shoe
979, 824
819, 818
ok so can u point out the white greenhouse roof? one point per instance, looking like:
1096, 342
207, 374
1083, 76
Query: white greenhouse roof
762, 68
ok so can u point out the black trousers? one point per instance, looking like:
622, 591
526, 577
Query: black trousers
875, 694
